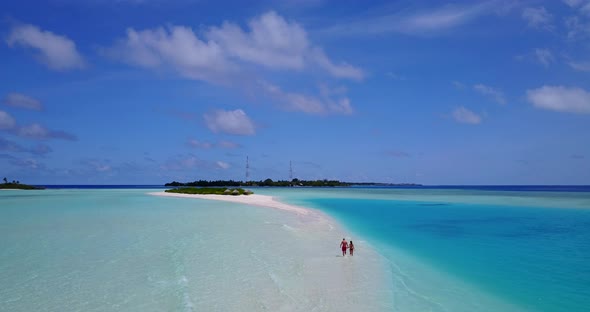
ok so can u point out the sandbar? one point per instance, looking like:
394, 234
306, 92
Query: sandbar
253, 199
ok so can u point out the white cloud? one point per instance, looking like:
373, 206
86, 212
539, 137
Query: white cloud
325, 104
56, 51
544, 56
231, 122
495, 94
7, 122
561, 99
463, 115
580, 66
22, 101
270, 41
440, 19
429, 22
174, 47
274, 42
222, 165
538, 18
342, 70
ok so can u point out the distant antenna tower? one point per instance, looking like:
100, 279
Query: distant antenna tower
247, 169
290, 171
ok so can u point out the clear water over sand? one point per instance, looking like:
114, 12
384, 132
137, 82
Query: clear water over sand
417, 250
124, 250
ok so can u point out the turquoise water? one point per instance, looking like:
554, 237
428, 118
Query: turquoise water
443, 250
124, 250
471, 250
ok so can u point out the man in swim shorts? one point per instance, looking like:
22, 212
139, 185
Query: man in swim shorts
344, 245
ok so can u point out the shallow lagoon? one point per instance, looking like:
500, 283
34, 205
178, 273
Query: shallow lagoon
124, 250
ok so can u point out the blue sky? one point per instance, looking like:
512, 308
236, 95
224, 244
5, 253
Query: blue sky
146, 92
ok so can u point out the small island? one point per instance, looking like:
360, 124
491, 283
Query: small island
210, 191
16, 185
283, 183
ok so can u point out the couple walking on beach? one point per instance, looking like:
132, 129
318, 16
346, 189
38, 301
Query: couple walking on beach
346, 245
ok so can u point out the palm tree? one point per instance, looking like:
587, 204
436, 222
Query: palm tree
5, 180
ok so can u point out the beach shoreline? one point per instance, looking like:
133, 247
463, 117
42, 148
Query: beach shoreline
324, 278
253, 199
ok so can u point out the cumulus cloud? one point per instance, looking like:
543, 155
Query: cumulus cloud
7, 122
269, 41
463, 115
274, 42
544, 56
490, 92
538, 18
560, 99
37, 131
22, 101
231, 122
174, 47
55, 51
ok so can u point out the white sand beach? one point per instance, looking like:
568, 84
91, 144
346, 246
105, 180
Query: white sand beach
253, 200
303, 265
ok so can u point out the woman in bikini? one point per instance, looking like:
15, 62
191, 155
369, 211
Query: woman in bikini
351, 248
